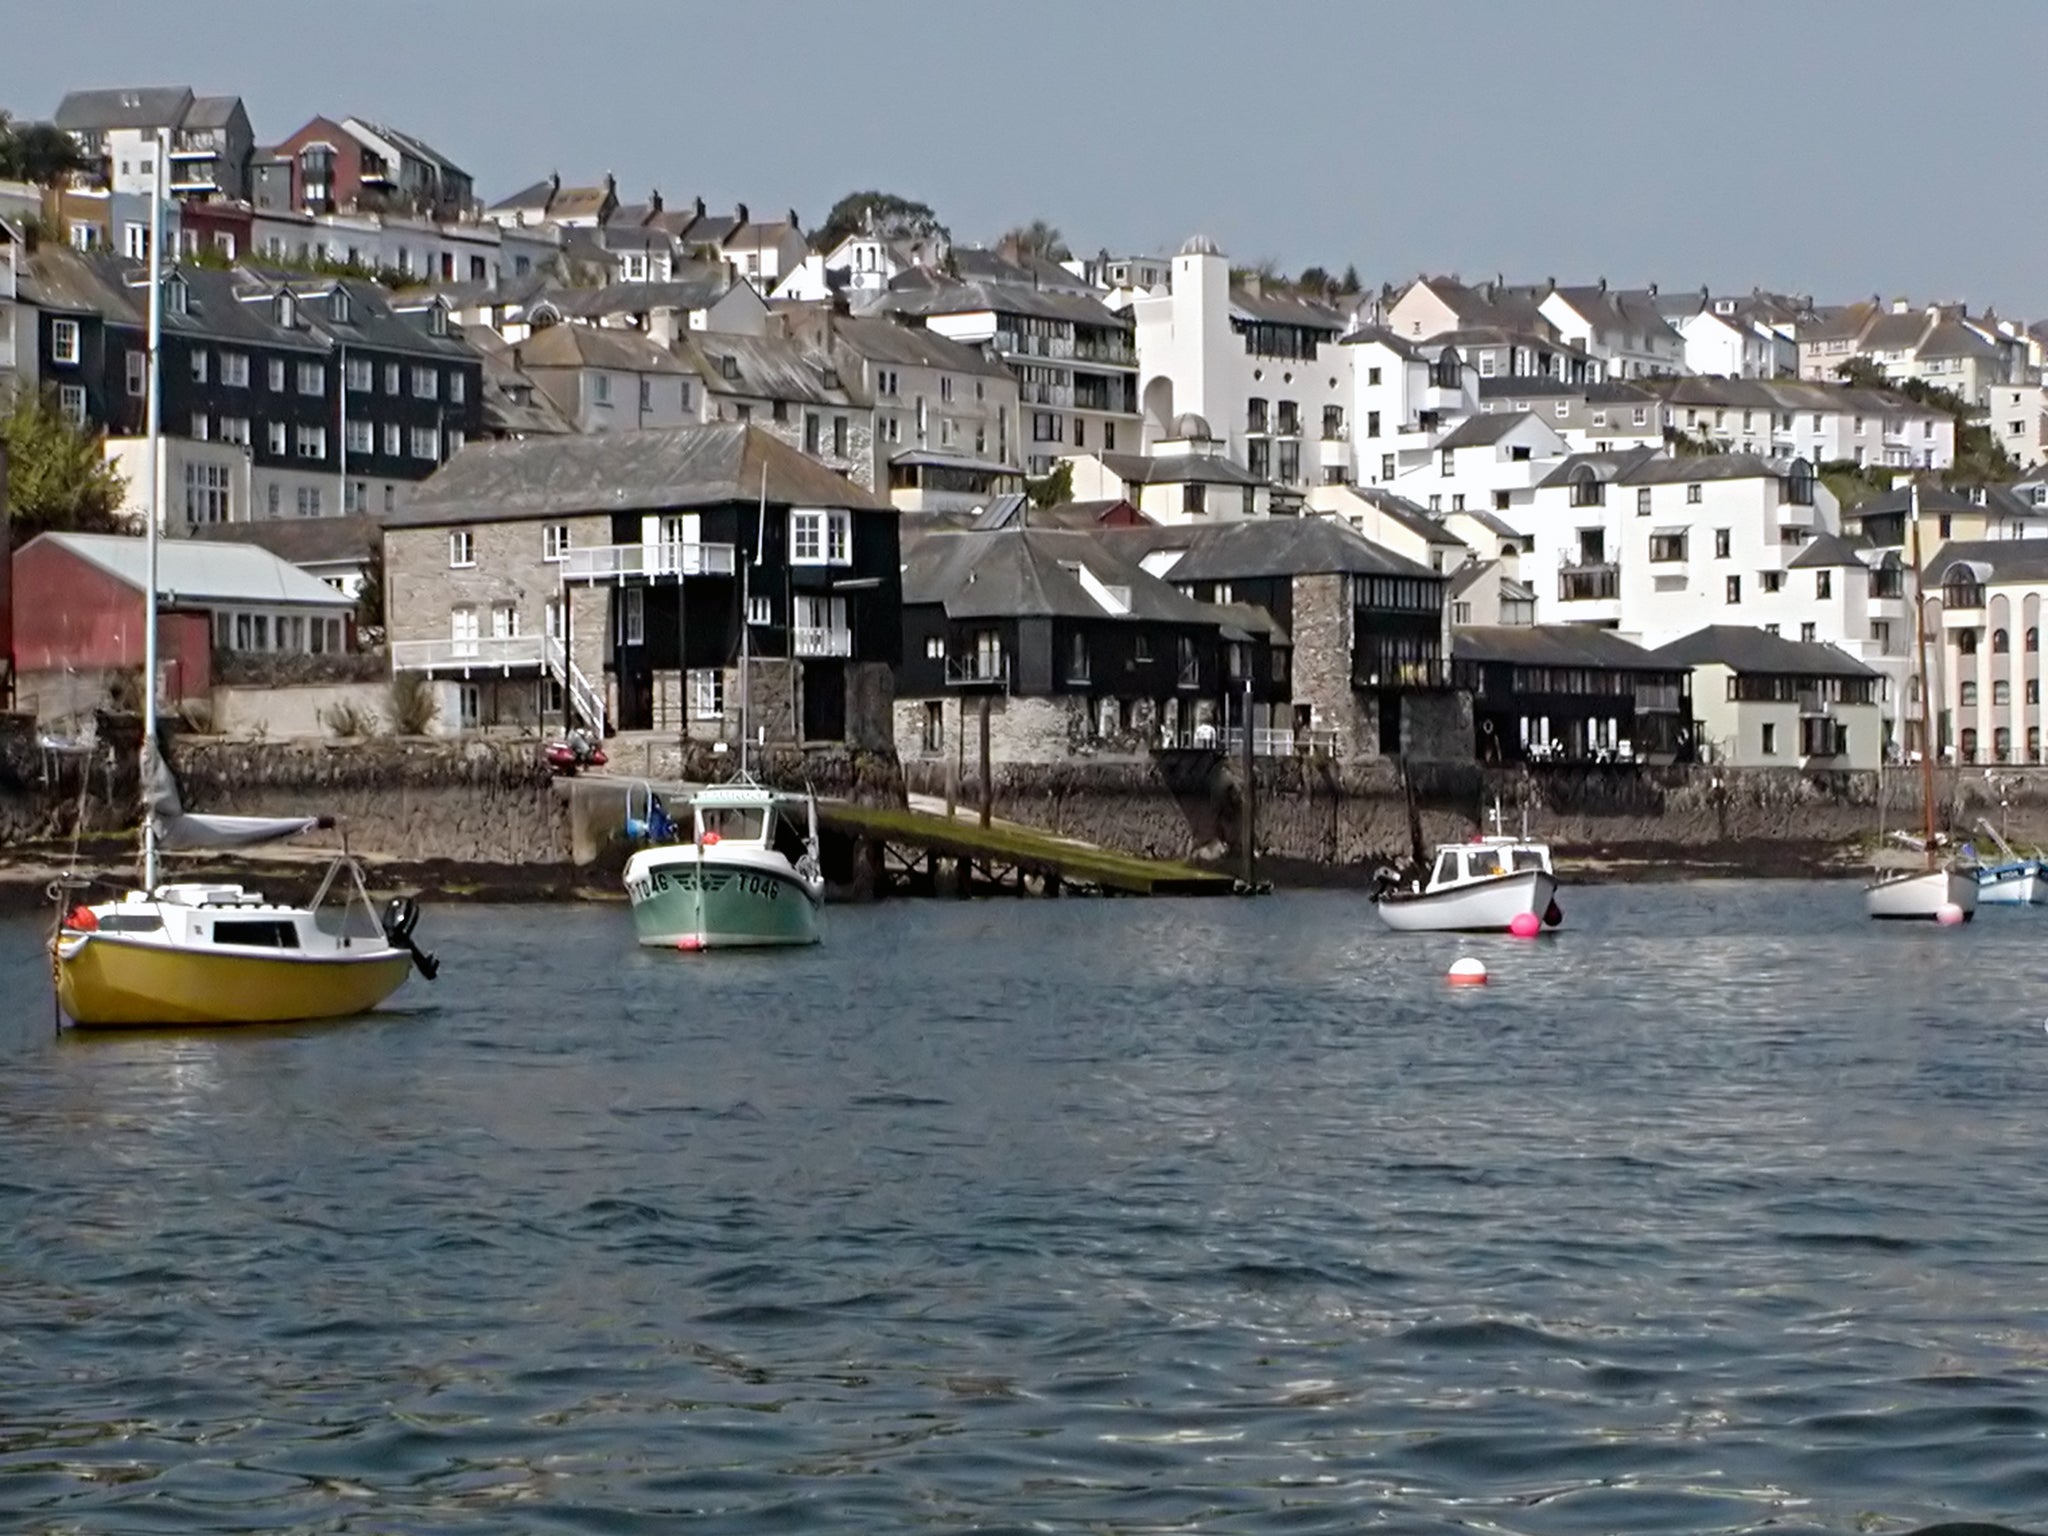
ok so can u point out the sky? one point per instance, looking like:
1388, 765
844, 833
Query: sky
1838, 148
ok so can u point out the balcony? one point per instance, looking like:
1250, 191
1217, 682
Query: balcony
1588, 583
503, 654
1109, 355
978, 669
1659, 699
647, 562
820, 640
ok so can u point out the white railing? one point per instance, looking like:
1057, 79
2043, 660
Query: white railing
819, 640
1279, 741
617, 562
503, 654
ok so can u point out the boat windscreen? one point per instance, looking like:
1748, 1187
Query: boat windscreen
1528, 858
734, 823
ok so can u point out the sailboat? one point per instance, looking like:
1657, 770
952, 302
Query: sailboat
1938, 886
749, 875
212, 953
2013, 880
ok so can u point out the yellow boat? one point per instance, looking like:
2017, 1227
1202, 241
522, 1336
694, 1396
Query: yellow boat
217, 954
220, 954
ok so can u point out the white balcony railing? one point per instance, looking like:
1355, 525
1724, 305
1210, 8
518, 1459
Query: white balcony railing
505, 655
650, 562
819, 640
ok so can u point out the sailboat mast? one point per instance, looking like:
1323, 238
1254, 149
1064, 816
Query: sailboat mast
1926, 687
153, 459
746, 619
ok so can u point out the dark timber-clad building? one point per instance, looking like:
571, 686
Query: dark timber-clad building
1571, 693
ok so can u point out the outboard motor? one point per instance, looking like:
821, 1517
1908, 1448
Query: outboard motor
401, 916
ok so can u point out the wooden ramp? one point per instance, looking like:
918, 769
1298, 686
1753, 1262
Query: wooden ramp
910, 846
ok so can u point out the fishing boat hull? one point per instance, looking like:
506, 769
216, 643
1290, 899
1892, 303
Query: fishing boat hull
107, 981
1480, 906
2012, 885
1921, 894
687, 898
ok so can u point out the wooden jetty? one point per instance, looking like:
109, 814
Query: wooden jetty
918, 851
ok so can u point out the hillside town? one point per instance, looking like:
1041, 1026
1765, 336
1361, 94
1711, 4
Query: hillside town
556, 457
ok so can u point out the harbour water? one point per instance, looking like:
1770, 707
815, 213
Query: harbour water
1723, 1210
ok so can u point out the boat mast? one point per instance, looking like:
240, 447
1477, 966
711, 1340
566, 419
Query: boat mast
746, 619
153, 431
1920, 665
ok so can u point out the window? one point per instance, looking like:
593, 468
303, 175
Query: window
1194, 499
1734, 589
355, 498
138, 374
275, 373
1966, 642
461, 548
760, 610
820, 537
392, 375
1588, 492
206, 493
202, 427
554, 541
1290, 418
426, 382
886, 380
458, 389
2001, 694
707, 693
1333, 423
362, 437
394, 439
1720, 543
2033, 640
1824, 588
1643, 502
1969, 745
361, 374
935, 648
1692, 495
276, 436
812, 433
1666, 547
462, 629
63, 341
635, 616
1290, 462
1807, 632
1773, 581
1966, 694
199, 365
426, 443
2032, 694
235, 429
1080, 432
1447, 462
504, 621
1564, 409
1999, 644
1077, 658
309, 501
1372, 376
1501, 501
311, 442
234, 370
1461, 613
933, 737
838, 437
1770, 739
1386, 466
1372, 425
312, 379
136, 242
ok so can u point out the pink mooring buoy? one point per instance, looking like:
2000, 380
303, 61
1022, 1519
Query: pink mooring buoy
1525, 925
1948, 914
689, 944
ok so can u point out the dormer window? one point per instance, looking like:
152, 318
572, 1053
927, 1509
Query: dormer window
287, 311
338, 306
830, 378
177, 295
437, 320
729, 366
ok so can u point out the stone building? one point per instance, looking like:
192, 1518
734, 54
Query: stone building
622, 566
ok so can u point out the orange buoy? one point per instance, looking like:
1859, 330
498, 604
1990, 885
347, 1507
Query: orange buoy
1466, 972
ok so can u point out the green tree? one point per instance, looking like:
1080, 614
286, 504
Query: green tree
58, 478
1316, 283
1351, 283
370, 599
1050, 490
1038, 238
894, 218
39, 153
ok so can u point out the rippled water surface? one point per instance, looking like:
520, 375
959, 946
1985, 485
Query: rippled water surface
1722, 1210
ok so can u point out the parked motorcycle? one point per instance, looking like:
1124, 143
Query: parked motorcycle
573, 753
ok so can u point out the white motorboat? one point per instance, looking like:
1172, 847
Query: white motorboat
2013, 880
1477, 887
1922, 893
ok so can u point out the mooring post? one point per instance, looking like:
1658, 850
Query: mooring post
1250, 818
988, 794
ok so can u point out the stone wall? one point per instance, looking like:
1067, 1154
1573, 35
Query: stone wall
1322, 631
277, 713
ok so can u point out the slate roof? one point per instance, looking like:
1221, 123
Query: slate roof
1824, 550
1744, 648
1386, 338
1401, 510
595, 346
150, 106
306, 541
769, 368
1786, 395
1995, 559
647, 470
960, 298
1485, 429
418, 148
1617, 309
1510, 308
201, 571
1027, 573
1285, 309
633, 298
513, 405
1177, 469
1554, 645
1269, 546
1650, 466
1999, 501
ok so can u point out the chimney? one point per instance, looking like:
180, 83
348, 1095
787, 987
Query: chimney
739, 214
611, 185
794, 221
1653, 290
1255, 285
1603, 285
654, 202
699, 208
554, 186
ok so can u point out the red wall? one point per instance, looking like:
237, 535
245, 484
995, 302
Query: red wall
75, 617
348, 161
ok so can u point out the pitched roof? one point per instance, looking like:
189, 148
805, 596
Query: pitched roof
1399, 345
1824, 550
764, 368
1269, 546
1485, 429
149, 106
1743, 648
683, 292
1651, 466
306, 541
960, 298
1177, 469
1992, 560
911, 346
1553, 645
595, 346
1034, 573
1786, 395
663, 467
1399, 509
200, 571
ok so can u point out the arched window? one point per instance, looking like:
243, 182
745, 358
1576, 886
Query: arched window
1969, 745
1999, 645
1966, 642
1967, 695
1962, 590
2001, 693
2033, 640
2001, 744
1448, 371
2033, 691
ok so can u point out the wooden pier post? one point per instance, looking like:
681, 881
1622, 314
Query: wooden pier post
988, 793
1250, 830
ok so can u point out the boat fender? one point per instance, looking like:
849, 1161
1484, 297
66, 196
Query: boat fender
1553, 915
81, 920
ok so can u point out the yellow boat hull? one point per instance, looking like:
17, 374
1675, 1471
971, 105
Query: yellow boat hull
108, 982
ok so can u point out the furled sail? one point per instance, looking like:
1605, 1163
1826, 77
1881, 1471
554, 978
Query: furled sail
179, 828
